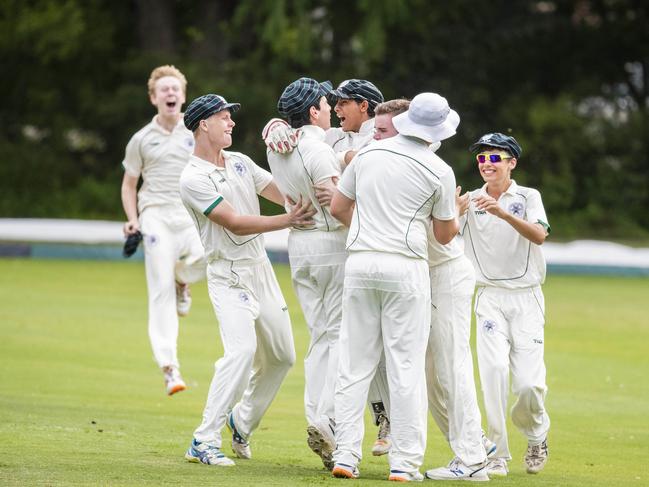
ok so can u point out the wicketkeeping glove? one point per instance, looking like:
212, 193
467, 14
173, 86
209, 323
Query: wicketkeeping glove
132, 241
279, 137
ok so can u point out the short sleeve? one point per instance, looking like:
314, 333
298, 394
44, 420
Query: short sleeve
535, 212
444, 207
260, 177
133, 162
347, 184
199, 193
322, 164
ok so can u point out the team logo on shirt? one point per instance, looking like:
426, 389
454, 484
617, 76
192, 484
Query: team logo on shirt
517, 209
240, 168
244, 297
489, 326
189, 141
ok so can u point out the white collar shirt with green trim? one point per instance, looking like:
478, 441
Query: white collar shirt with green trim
501, 256
397, 186
311, 162
158, 156
203, 186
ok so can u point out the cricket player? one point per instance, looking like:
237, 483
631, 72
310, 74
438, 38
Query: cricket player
219, 189
504, 228
354, 102
316, 254
388, 196
449, 364
173, 254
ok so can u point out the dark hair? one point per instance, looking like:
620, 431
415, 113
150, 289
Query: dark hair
303, 118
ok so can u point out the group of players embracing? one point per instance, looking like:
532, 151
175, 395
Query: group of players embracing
386, 255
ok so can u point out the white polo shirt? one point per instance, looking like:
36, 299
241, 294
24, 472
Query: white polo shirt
311, 162
502, 257
397, 185
341, 141
203, 186
159, 157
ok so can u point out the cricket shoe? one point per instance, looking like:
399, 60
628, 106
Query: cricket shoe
497, 468
210, 455
489, 446
383, 442
322, 442
240, 445
401, 476
183, 299
173, 381
457, 470
536, 457
344, 471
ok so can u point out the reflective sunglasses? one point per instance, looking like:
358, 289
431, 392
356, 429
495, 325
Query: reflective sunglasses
492, 158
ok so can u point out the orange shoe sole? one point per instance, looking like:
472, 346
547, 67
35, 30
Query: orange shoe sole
178, 388
342, 473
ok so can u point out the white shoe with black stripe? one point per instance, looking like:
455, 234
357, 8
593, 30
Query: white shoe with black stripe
457, 470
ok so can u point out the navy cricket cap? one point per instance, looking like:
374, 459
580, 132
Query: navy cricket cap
204, 107
357, 89
300, 95
500, 141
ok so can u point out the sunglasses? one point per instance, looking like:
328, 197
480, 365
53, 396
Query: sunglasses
492, 158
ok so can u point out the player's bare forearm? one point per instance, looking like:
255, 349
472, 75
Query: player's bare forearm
129, 203
272, 193
534, 232
342, 208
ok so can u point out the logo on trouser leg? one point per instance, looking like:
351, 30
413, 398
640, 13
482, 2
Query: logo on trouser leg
151, 240
243, 297
489, 326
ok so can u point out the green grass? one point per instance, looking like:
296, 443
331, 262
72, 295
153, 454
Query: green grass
82, 402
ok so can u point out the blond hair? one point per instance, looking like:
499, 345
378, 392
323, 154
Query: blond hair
392, 107
166, 70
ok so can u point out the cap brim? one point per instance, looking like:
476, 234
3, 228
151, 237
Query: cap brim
233, 107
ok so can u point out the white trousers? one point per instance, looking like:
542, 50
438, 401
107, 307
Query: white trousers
172, 252
318, 272
386, 309
510, 335
452, 397
257, 342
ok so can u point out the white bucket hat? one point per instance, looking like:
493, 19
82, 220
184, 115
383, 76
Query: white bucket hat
429, 118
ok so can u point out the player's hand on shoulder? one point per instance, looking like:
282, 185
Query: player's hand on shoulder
131, 227
461, 201
279, 137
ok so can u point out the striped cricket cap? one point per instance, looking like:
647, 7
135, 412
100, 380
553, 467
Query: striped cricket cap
300, 95
500, 141
357, 89
204, 107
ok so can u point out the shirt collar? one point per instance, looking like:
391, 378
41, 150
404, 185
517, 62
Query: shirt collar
159, 127
202, 164
512, 190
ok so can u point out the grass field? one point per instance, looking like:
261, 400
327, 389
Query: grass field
82, 402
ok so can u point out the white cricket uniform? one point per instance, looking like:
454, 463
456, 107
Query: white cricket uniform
253, 317
452, 398
386, 301
317, 256
172, 248
510, 314
342, 142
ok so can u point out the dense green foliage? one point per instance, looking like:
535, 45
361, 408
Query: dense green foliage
82, 402
568, 78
